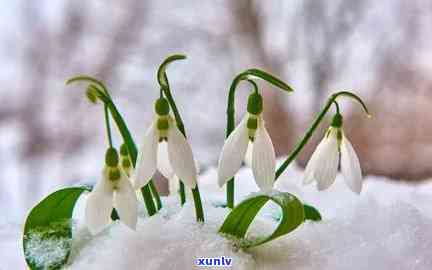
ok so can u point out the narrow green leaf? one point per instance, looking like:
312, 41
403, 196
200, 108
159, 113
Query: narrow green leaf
239, 219
311, 213
48, 229
257, 73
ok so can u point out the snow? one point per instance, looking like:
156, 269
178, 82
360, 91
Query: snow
48, 245
387, 226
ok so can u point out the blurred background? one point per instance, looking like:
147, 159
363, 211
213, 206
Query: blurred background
50, 136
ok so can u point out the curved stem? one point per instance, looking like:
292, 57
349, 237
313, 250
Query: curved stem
89, 79
161, 74
255, 86
108, 127
247, 76
337, 106
316, 122
195, 191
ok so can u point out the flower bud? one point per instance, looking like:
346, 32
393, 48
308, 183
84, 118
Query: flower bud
124, 150
91, 94
111, 157
337, 121
255, 103
162, 106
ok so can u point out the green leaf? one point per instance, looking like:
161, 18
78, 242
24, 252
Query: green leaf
48, 229
239, 219
161, 71
257, 73
311, 213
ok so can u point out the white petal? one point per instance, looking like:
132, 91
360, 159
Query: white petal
350, 166
147, 158
125, 202
173, 185
181, 157
163, 163
327, 163
312, 163
248, 155
263, 158
98, 207
104, 185
233, 152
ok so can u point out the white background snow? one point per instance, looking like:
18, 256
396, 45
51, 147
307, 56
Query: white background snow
387, 227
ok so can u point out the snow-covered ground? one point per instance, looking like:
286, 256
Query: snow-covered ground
387, 227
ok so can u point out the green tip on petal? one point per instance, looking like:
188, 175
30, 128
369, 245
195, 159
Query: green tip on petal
114, 174
252, 123
111, 157
126, 163
162, 124
162, 106
255, 103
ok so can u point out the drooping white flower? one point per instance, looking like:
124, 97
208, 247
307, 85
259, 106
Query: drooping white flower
114, 190
165, 148
323, 164
263, 159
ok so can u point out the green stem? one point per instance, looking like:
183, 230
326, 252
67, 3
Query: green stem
313, 127
199, 212
155, 194
196, 194
108, 127
247, 76
182, 193
337, 107
230, 193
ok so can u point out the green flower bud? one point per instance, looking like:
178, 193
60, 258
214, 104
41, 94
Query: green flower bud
162, 106
111, 157
337, 121
91, 94
114, 174
162, 124
124, 150
255, 103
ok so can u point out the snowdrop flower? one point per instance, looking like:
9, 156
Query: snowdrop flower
322, 166
263, 160
165, 148
114, 190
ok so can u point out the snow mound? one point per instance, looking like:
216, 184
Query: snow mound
164, 241
387, 227
384, 228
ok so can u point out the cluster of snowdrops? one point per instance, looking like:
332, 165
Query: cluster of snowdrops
165, 148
